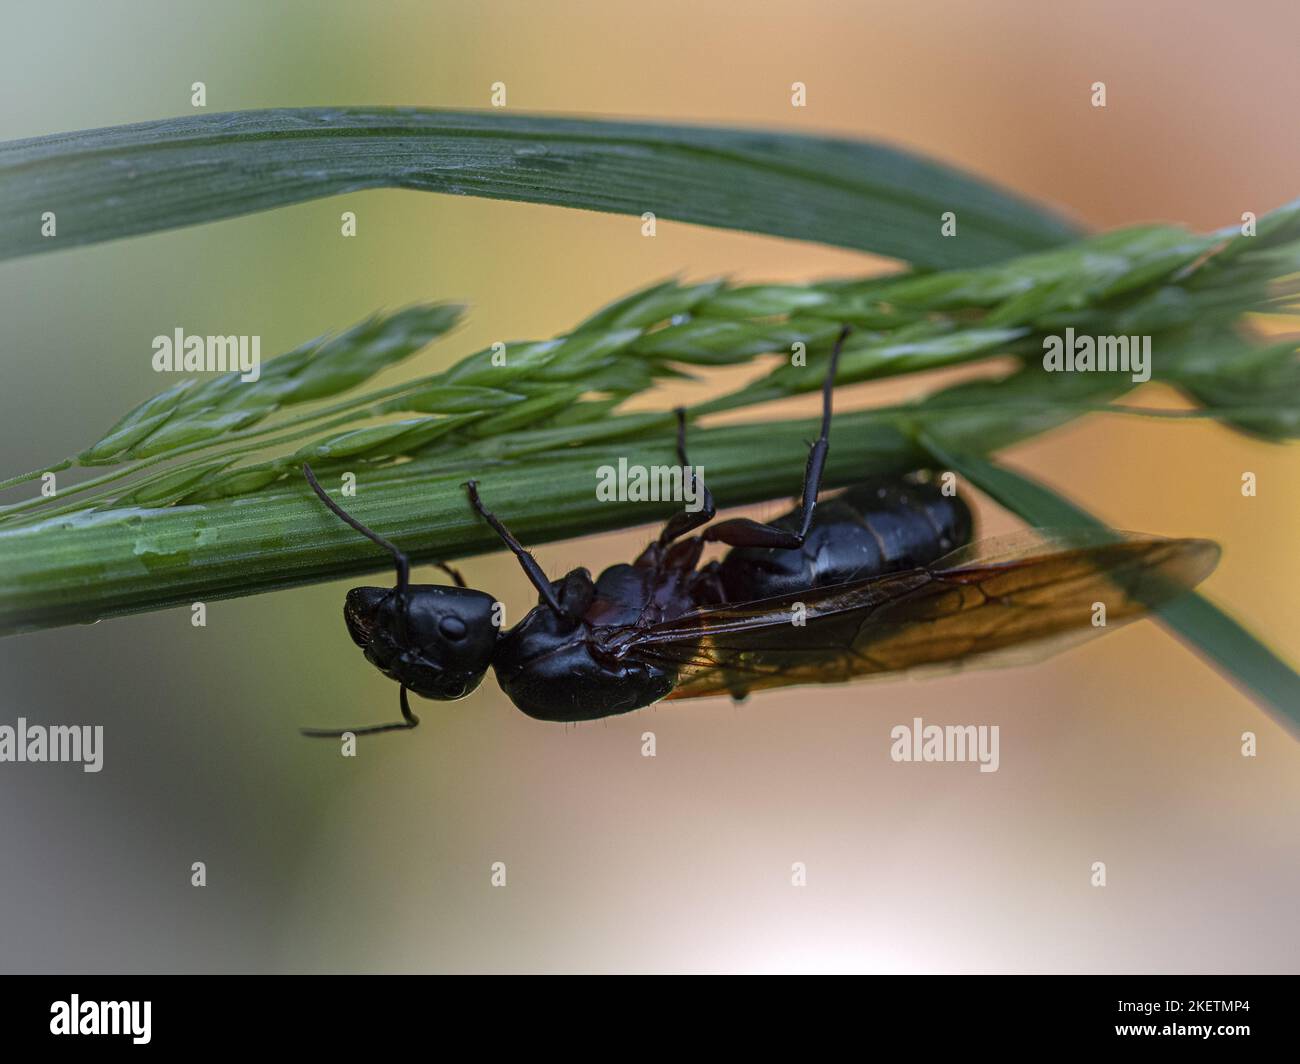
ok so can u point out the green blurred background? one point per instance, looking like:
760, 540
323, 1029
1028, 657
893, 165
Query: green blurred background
1125, 751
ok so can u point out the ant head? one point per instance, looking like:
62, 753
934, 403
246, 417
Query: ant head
440, 647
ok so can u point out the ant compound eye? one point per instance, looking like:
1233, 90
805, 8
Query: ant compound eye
452, 628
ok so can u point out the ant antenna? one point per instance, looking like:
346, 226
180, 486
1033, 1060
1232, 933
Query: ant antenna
403, 564
409, 720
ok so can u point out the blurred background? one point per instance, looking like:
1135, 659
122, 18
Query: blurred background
1126, 751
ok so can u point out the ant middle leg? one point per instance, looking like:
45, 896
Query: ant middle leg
680, 524
744, 532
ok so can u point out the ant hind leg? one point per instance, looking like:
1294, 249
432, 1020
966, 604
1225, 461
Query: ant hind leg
744, 532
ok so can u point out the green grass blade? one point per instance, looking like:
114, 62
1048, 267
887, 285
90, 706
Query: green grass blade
104, 184
139, 536
80, 567
1197, 621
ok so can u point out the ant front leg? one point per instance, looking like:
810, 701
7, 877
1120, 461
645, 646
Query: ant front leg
531, 569
687, 521
743, 532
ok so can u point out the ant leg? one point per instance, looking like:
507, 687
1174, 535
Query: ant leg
743, 532
409, 720
680, 524
531, 569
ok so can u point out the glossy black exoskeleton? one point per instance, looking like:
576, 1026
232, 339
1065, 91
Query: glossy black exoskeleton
870, 581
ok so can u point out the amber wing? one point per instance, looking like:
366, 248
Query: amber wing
1037, 591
